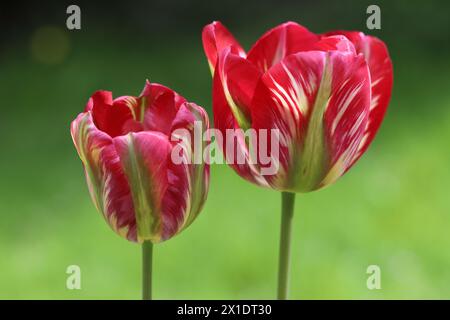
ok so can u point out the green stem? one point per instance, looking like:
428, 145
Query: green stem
287, 213
147, 259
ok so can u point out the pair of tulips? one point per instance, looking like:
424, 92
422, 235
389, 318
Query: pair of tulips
326, 95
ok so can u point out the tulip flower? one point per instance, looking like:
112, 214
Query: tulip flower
326, 96
126, 145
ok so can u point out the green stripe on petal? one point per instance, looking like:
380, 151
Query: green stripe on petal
107, 186
199, 176
147, 224
314, 157
144, 160
89, 154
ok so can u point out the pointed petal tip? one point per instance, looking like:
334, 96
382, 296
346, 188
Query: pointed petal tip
216, 37
147, 87
290, 23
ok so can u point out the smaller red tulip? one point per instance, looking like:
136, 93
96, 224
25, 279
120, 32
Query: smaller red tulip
125, 145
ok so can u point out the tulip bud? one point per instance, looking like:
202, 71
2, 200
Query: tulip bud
126, 145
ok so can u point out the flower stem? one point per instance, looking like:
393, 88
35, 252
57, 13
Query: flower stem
287, 213
147, 259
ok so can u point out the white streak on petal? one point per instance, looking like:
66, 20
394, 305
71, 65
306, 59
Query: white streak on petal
348, 98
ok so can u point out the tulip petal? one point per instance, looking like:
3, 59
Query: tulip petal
108, 187
215, 38
282, 101
279, 42
133, 104
334, 43
381, 73
187, 181
159, 106
313, 98
234, 85
118, 202
108, 116
99, 97
144, 157
198, 169
347, 116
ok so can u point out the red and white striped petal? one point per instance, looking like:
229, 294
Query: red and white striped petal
279, 42
319, 101
107, 184
283, 101
347, 115
188, 180
118, 201
144, 157
215, 38
234, 85
381, 73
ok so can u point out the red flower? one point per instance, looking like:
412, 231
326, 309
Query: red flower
326, 94
125, 145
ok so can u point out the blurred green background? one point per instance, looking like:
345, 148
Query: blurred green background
392, 209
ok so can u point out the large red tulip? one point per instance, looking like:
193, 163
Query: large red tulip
326, 94
125, 145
